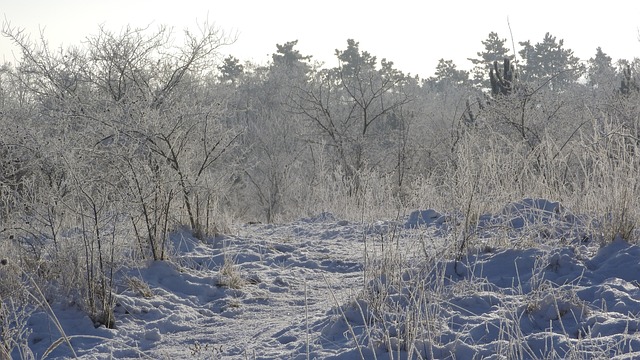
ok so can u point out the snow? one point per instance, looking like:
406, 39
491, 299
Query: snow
328, 288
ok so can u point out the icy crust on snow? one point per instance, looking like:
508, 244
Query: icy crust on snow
322, 287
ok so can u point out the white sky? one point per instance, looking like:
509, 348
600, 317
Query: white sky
412, 34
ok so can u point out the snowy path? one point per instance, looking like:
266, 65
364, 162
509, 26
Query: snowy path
290, 275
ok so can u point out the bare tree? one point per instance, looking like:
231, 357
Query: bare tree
345, 103
123, 128
164, 110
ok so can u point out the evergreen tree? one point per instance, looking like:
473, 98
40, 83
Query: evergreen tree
494, 50
289, 70
628, 84
291, 60
447, 75
549, 61
600, 70
230, 70
353, 61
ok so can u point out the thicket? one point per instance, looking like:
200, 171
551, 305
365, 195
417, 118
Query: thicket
109, 146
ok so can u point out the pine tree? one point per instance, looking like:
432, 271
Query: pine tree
628, 84
230, 70
288, 58
448, 75
353, 61
600, 70
549, 61
494, 50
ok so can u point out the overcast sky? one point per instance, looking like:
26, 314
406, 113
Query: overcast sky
412, 34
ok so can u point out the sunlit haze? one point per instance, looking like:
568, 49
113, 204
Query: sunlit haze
414, 35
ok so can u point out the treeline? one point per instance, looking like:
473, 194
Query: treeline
114, 143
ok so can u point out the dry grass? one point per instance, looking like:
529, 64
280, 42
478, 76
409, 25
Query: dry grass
229, 274
138, 286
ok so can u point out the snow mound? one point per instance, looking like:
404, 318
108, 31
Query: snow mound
552, 300
424, 218
529, 212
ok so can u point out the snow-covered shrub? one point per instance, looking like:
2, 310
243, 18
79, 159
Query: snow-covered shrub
14, 329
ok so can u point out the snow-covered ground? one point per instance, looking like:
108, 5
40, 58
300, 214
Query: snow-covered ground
531, 284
